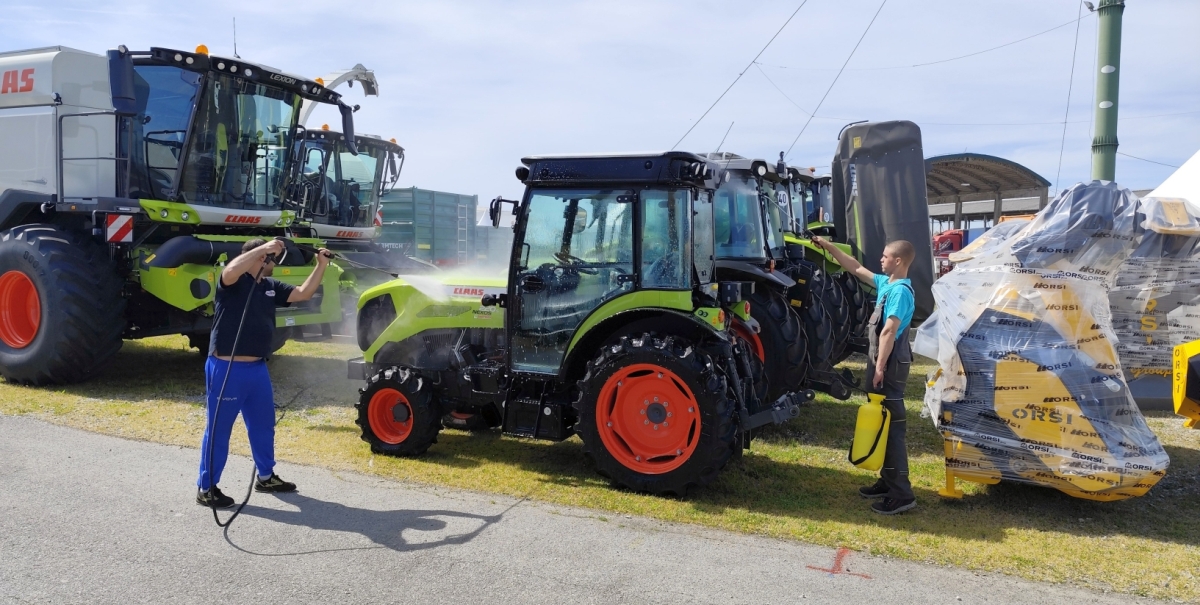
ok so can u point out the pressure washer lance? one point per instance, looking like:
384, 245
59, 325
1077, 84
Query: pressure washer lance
221, 394
340, 257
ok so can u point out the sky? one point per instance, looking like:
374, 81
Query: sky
469, 88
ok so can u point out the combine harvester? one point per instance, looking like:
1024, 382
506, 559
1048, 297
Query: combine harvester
128, 178
1030, 387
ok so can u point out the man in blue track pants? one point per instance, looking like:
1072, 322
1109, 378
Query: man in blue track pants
248, 388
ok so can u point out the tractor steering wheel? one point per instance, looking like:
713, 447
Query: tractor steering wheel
573, 262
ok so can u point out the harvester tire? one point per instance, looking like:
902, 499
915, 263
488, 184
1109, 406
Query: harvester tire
784, 343
61, 310
398, 413
655, 416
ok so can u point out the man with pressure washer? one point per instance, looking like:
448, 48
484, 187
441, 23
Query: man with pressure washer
235, 375
891, 358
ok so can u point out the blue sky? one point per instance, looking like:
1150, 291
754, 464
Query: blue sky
468, 88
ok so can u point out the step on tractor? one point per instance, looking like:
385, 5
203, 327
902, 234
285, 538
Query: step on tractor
609, 325
802, 305
126, 181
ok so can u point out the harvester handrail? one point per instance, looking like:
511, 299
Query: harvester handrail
124, 183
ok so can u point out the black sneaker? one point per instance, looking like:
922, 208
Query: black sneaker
213, 498
892, 506
273, 484
874, 492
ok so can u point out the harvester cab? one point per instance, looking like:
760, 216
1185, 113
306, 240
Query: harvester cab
610, 325
338, 192
140, 187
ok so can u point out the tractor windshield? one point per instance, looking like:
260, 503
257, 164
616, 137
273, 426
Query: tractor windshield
738, 219
236, 155
343, 189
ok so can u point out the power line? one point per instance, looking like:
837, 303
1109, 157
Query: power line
1145, 160
739, 76
835, 78
793, 102
1070, 86
980, 52
1056, 122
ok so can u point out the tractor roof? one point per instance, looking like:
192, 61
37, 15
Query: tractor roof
359, 139
666, 168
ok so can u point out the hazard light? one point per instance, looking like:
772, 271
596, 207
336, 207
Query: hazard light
202, 50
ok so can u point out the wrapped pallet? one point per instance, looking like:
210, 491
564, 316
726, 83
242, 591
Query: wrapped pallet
1030, 388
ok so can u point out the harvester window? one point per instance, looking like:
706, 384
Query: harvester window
356, 180
237, 152
165, 97
666, 249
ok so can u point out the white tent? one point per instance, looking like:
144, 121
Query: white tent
1184, 182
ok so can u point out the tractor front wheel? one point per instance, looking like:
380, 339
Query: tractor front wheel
784, 344
654, 416
398, 414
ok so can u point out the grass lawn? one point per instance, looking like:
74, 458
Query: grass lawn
794, 484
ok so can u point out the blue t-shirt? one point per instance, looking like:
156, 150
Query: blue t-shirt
900, 303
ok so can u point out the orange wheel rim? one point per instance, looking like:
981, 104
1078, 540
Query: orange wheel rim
743, 331
20, 309
382, 414
648, 419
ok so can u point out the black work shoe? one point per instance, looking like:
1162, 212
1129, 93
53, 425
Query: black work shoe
892, 506
273, 484
213, 498
874, 492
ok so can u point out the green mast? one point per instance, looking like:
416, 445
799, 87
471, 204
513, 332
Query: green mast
1104, 145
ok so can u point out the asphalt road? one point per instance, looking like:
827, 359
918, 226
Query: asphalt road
86, 518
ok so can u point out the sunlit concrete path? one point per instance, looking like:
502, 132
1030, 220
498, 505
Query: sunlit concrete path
86, 518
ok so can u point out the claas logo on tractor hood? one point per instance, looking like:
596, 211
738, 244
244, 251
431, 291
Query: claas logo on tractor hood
243, 220
463, 291
16, 80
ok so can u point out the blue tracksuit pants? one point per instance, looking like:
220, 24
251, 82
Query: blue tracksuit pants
248, 392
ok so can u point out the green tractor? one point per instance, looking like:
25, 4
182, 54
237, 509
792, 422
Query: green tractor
609, 325
129, 179
802, 303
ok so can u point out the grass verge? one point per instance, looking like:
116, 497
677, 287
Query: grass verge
794, 484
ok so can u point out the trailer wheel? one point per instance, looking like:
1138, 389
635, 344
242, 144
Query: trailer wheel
784, 343
61, 310
654, 416
398, 414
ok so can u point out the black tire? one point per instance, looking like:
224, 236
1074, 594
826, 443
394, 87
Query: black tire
82, 313
383, 427
859, 314
709, 450
817, 323
784, 342
838, 312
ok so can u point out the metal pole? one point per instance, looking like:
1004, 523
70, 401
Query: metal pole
1104, 145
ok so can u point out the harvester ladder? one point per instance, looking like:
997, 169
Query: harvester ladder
463, 224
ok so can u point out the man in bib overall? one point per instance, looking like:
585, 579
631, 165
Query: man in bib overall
890, 360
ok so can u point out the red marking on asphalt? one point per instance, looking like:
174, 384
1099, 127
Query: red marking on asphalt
838, 560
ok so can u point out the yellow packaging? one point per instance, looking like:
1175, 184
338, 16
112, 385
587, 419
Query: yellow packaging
870, 434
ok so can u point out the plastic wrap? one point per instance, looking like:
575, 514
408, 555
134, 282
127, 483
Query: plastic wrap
1155, 302
1029, 387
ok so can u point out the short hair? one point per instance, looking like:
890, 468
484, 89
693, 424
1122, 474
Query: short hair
252, 244
904, 249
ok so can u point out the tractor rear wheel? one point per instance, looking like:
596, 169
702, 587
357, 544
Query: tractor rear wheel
654, 416
783, 343
398, 414
860, 313
61, 310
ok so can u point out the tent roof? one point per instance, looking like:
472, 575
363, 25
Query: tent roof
975, 176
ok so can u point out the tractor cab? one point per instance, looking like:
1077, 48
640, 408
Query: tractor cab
336, 191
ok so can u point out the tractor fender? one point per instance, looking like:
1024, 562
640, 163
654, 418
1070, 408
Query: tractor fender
16, 205
755, 273
633, 322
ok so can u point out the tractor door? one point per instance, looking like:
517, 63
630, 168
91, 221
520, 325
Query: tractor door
575, 251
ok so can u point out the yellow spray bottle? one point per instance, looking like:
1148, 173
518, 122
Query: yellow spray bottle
870, 434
